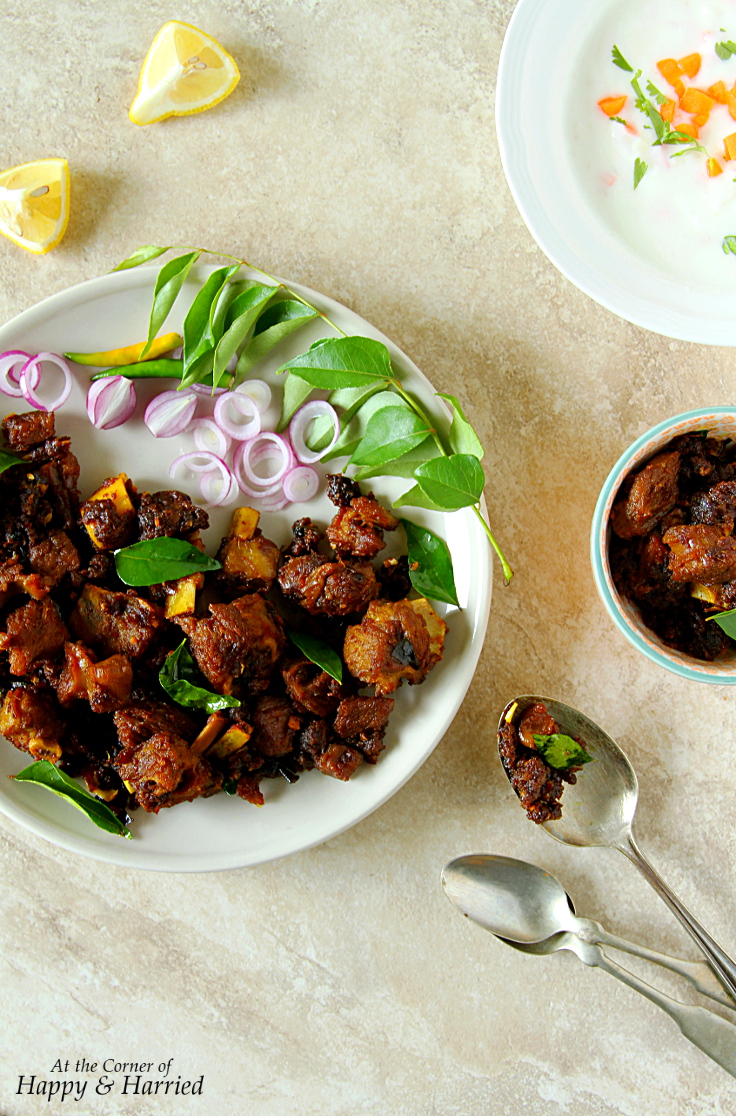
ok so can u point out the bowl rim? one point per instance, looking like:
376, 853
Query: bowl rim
657, 653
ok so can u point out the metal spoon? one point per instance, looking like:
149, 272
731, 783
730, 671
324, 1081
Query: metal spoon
465, 881
599, 810
523, 904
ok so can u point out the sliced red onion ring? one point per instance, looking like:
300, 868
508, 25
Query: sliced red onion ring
301, 483
206, 389
11, 364
233, 401
275, 502
218, 489
249, 453
259, 392
31, 376
197, 461
316, 408
208, 436
111, 402
170, 413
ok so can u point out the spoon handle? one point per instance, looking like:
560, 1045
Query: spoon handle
715, 1036
718, 959
698, 973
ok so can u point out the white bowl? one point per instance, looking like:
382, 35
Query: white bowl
544, 50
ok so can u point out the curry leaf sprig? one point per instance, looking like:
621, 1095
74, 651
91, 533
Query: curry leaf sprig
385, 428
45, 774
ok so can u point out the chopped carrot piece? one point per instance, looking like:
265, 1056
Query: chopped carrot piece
672, 74
612, 105
690, 64
667, 111
696, 101
714, 168
731, 102
701, 119
689, 130
729, 143
718, 92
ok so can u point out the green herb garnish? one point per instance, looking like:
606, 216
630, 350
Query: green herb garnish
154, 561
620, 61
168, 284
561, 751
7, 460
658, 95
45, 774
726, 49
618, 119
729, 245
640, 169
318, 652
183, 682
726, 621
430, 565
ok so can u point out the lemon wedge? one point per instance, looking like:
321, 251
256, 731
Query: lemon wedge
185, 71
34, 204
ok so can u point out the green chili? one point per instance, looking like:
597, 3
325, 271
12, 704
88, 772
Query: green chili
164, 367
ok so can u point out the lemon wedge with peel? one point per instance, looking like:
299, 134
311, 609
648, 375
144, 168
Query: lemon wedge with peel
185, 71
34, 204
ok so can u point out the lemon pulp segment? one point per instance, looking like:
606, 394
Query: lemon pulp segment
34, 204
185, 71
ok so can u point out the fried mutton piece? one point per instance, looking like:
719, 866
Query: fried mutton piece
361, 722
105, 685
34, 632
312, 689
170, 513
396, 640
357, 528
700, 552
652, 494
116, 623
333, 588
32, 721
237, 646
319, 749
249, 560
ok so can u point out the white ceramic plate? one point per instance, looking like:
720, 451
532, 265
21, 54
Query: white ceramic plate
224, 832
546, 44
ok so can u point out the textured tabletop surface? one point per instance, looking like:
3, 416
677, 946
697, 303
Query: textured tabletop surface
358, 156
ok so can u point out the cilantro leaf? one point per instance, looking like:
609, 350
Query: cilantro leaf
729, 245
726, 49
658, 95
640, 169
620, 61
561, 751
618, 119
645, 105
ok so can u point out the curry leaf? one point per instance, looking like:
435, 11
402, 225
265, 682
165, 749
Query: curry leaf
296, 392
154, 561
243, 311
403, 466
452, 482
168, 284
349, 401
342, 362
463, 438
416, 498
42, 773
726, 621
352, 432
318, 652
561, 751
390, 432
197, 331
7, 460
141, 255
182, 681
275, 323
430, 564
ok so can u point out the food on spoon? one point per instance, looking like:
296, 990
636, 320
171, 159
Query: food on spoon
185, 71
95, 675
34, 204
538, 759
672, 545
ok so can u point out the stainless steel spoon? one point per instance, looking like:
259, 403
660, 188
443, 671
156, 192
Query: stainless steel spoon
598, 810
465, 881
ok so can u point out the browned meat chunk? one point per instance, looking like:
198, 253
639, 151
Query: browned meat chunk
536, 719
362, 721
312, 689
700, 552
334, 588
274, 724
249, 789
341, 489
395, 641
54, 556
164, 771
716, 506
320, 750
23, 431
394, 580
358, 529
116, 623
109, 526
305, 538
250, 564
140, 720
34, 631
170, 513
31, 720
14, 581
238, 645
106, 685
652, 494
539, 787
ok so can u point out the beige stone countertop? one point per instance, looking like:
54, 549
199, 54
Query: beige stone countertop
358, 156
